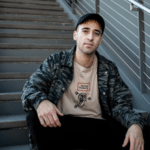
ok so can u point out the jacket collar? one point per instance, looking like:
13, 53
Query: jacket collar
69, 60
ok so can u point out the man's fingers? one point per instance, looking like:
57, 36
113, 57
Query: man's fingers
142, 146
56, 119
138, 144
58, 112
47, 122
52, 122
126, 141
132, 143
42, 122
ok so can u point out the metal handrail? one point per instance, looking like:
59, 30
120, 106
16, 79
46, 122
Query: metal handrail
139, 5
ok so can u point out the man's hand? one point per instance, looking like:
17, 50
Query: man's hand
47, 114
135, 135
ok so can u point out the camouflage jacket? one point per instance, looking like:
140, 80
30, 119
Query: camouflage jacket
55, 74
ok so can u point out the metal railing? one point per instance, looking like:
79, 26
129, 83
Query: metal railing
79, 9
139, 5
140, 8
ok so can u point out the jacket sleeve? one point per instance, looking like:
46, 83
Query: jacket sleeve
37, 86
122, 109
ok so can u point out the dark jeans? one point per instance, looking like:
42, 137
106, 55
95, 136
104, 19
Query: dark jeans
76, 132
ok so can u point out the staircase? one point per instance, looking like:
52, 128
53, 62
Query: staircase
30, 31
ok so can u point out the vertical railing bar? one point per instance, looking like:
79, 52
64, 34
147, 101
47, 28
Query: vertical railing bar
142, 48
96, 6
73, 6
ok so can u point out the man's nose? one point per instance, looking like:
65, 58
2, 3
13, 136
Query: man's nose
91, 36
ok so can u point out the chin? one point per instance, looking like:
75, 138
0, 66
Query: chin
89, 52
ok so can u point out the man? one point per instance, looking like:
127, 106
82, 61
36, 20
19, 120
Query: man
76, 98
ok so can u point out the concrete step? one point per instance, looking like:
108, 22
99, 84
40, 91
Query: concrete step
34, 18
32, 12
11, 96
30, 6
21, 59
11, 108
13, 137
35, 46
50, 3
19, 67
36, 41
22, 31
12, 121
36, 36
15, 75
35, 27
18, 147
15, 85
29, 52
36, 23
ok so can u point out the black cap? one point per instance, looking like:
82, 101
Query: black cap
92, 16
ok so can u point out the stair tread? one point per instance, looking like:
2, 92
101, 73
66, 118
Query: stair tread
12, 118
30, 6
33, 18
10, 96
10, 93
35, 46
12, 121
15, 75
46, 36
17, 147
37, 27
31, 2
21, 59
35, 12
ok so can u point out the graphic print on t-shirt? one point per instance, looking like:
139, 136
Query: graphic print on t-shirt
82, 90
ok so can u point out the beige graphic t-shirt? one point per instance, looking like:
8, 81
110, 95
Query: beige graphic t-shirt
82, 97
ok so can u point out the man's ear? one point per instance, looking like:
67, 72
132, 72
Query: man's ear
75, 35
100, 40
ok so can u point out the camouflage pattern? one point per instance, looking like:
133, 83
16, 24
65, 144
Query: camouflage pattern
55, 74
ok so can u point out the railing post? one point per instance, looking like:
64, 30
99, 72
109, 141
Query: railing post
97, 6
73, 6
141, 44
142, 49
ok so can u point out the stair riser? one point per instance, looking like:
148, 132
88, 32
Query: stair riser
35, 23
35, 46
39, 27
14, 137
11, 108
14, 124
30, 52
37, 36
52, 2
14, 75
19, 67
49, 32
18, 147
32, 12
35, 41
34, 18
31, 6
10, 96
13, 85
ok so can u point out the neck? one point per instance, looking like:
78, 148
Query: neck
84, 60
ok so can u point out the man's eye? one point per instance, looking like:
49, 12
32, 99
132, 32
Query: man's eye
85, 31
97, 34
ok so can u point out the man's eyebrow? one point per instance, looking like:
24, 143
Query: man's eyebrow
89, 28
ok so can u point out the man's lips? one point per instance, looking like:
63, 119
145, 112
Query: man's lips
88, 44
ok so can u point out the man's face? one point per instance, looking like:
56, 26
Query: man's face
88, 37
